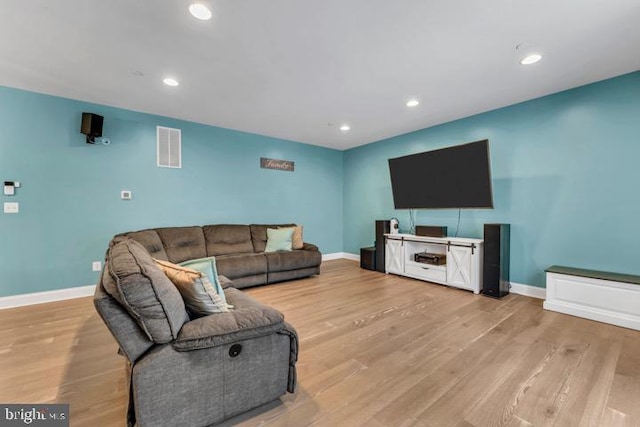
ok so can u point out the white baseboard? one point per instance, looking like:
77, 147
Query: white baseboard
528, 290
352, 257
340, 255
46, 296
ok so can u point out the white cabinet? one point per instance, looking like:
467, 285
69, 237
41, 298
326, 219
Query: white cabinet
459, 269
596, 295
462, 268
393, 257
422, 271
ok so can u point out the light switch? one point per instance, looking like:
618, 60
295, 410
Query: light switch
126, 195
11, 207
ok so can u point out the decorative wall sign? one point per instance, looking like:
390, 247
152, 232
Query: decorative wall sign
282, 165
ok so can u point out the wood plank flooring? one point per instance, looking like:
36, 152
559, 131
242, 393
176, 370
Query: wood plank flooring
376, 350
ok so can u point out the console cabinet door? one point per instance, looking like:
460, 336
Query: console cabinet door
459, 268
393, 256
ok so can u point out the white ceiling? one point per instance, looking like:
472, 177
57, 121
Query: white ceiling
289, 68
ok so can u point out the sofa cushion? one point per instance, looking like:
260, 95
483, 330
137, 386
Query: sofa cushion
227, 239
178, 274
296, 239
279, 239
240, 265
293, 260
144, 290
151, 242
249, 320
183, 243
200, 296
208, 267
259, 235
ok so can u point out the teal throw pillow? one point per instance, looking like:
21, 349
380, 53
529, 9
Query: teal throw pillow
279, 239
208, 267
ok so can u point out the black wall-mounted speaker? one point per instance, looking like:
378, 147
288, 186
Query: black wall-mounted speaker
91, 125
495, 272
382, 227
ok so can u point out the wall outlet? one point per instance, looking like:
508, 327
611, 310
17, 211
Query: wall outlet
96, 266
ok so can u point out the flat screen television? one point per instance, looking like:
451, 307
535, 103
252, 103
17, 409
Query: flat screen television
448, 178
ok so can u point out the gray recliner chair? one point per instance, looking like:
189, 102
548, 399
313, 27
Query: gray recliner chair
190, 372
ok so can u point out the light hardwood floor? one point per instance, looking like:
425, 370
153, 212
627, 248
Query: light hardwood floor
376, 350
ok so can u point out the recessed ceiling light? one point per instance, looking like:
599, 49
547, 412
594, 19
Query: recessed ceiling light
171, 82
413, 103
345, 128
200, 11
531, 59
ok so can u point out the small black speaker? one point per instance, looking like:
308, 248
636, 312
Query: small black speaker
368, 258
91, 126
382, 227
495, 272
431, 231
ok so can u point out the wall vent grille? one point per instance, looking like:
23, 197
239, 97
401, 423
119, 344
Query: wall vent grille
169, 147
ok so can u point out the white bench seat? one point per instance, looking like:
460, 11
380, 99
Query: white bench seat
597, 295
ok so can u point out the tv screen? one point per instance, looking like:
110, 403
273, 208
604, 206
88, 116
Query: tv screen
453, 177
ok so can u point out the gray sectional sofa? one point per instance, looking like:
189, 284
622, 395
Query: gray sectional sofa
199, 371
239, 251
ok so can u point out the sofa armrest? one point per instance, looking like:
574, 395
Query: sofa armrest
293, 355
309, 247
249, 319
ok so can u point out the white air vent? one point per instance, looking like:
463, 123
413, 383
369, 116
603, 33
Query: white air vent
169, 147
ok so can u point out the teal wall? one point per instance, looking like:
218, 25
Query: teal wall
566, 176
70, 197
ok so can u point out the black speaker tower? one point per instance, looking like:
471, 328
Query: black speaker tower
382, 227
495, 272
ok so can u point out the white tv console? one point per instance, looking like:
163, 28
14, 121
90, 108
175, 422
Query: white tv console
463, 268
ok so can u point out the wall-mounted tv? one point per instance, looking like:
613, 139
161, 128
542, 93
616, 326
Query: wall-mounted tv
448, 178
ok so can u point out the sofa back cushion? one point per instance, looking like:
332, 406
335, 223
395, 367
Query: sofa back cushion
259, 235
227, 239
182, 243
144, 290
151, 242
